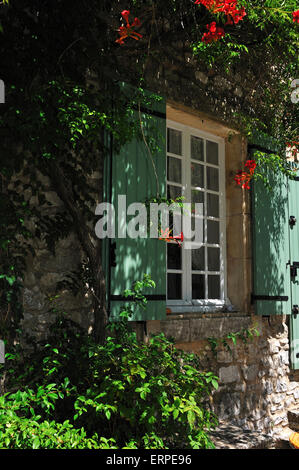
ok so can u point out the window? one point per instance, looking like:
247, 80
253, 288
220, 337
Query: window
195, 170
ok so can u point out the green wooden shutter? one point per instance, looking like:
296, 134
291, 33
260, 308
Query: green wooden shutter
271, 245
294, 257
136, 175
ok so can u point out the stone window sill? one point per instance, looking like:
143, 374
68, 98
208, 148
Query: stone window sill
188, 315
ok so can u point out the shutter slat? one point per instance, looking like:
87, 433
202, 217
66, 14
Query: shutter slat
133, 175
270, 237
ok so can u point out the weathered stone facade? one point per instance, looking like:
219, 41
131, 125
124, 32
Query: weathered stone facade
257, 387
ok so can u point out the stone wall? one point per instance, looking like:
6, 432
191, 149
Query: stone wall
256, 386
42, 301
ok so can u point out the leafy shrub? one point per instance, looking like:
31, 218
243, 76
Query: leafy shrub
144, 395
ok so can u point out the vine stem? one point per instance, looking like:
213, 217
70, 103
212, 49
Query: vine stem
149, 151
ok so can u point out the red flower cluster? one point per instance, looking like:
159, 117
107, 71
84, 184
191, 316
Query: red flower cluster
214, 33
293, 148
166, 237
296, 16
128, 31
229, 8
209, 4
243, 178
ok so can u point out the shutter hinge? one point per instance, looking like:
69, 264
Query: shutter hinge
292, 221
295, 310
279, 298
294, 268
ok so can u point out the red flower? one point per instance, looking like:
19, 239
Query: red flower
243, 178
166, 237
136, 22
251, 165
296, 16
207, 3
214, 33
128, 31
125, 14
229, 8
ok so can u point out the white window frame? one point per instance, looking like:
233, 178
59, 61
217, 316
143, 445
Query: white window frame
189, 304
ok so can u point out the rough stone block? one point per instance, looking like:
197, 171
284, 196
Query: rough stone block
293, 419
177, 329
250, 372
229, 374
268, 387
225, 357
281, 386
284, 357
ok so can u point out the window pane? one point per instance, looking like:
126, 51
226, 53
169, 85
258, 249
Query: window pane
198, 228
198, 286
213, 232
198, 259
213, 178
212, 152
173, 192
174, 286
197, 149
174, 256
197, 196
197, 175
213, 259
214, 287
174, 141
174, 171
213, 205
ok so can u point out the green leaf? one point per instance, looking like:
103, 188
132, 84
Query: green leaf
36, 443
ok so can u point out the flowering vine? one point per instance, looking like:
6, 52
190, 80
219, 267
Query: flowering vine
243, 178
292, 147
128, 31
165, 236
214, 33
296, 16
229, 8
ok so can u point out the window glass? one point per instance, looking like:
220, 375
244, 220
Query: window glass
174, 170
197, 148
197, 175
214, 287
212, 205
212, 152
213, 259
213, 232
174, 256
174, 141
174, 286
198, 286
193, 171
198, 259
213, 178
173, 192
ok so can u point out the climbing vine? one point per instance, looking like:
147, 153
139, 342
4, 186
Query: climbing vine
64, 96
232, 338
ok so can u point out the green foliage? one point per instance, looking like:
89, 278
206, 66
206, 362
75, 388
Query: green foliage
144, 395
271, 164
231, 339
65, 93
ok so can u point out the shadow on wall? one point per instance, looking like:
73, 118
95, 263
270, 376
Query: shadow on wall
271, 245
